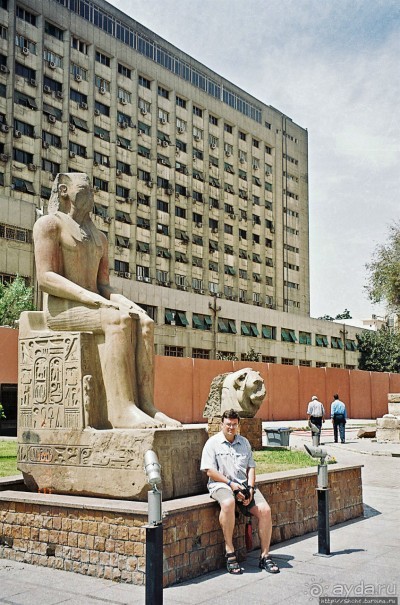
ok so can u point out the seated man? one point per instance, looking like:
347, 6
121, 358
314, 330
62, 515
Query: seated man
228, 461
72, 270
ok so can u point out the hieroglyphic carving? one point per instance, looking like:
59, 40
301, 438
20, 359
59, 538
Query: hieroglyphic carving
50, 386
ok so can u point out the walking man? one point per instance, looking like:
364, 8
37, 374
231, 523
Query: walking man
316, 415
228, 461
338, 415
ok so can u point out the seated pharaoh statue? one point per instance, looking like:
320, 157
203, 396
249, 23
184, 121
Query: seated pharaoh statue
72, 272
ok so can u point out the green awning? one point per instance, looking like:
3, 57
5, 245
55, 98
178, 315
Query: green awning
168, 316
232, 326
245, 330
266, 332
183, 318
222, 327
319, 341
197, 322
208, 320
254, 330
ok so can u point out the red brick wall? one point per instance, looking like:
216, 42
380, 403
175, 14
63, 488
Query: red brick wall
106, 539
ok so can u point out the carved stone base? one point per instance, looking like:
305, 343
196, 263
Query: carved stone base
251, 428
110, 463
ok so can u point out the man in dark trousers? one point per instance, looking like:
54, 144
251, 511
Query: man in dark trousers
338, 415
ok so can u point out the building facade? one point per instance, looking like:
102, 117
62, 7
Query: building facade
201, 189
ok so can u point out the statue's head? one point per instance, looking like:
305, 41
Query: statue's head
70, 189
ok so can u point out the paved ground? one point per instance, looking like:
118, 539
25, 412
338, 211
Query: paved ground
365, 553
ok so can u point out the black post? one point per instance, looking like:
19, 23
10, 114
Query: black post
154, 564
324, 547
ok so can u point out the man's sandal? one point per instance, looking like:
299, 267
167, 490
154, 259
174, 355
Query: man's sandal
231, 564
267, 564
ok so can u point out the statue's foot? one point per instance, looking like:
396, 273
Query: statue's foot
131, 417
160, 416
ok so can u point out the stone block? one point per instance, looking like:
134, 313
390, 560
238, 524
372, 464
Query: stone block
387, 422
394, 408
394, 397
110, 463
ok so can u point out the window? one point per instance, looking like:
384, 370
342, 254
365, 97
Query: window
3, 32
15, 233
242, 135
22, 185
24, 128
100, 158
288, 335
180, 212
305, 362
249, 329
54, 31
142, 273
200, 354
173, 351
161, 276
25, 15
351, 345
321, 340
49, 139
122, 242
102, 58
122, 192
201, 322
163, 116
213, 142
255, 143
143, 223
228, 229
25, 100
336, 342
180, 102
143, 247
197, 111
23, 43
162, 206
78, 123
181, 146
305, 338
144, 82
122, 268
22, 156
228, 128
320, 364
99, 184
286, 361
291, 284
102, 84
52, 167
197, 133
268, 332
163, 92
213, 266
242, 273
213, 120
227, 326
124, 71
176, 318
79, 45
181, 125
100, 108
52, 58
122, 217
268, 359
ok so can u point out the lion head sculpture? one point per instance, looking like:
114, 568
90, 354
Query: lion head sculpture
243, 391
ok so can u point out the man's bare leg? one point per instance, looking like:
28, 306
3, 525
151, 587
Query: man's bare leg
145, 370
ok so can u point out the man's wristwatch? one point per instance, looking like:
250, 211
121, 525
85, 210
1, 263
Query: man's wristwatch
229, 483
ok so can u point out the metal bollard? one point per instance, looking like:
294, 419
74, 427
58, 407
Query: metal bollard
154, 532
323, 500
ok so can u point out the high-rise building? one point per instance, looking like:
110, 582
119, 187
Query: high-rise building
201, 189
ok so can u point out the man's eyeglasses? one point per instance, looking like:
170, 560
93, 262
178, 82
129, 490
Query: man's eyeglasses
231, 425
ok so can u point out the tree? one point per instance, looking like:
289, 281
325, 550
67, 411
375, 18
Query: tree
251, 355
14, 298
379, 351
384, 271
344, 315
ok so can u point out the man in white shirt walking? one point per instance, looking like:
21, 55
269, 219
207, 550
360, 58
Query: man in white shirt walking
316, 414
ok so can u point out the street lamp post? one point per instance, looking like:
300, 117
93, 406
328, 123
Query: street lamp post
215, 309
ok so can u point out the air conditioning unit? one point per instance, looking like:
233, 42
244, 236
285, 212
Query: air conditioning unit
129, 200
123, 101
96, 189
72, 127
52, 119
213, 146
228, 154
181, 129
169, 190
5, 128
197, 138
3, 157
143, 111
25, 51
150, 184
107, 219
32, 167
146, 279
52, 65
59, 94
255, 167
119, 172
129, 147
17, 134
32, 82
71, 154
188, 194
96, 112
78, 78
124, 124
242, 160
102, 90
165, 143
214, 230
83, 105
101, 135
163, 121
46, 89
4, 69
127, 275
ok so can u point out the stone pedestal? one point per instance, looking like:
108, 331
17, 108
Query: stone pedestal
388, 427
67, 445
251, 428
110, 463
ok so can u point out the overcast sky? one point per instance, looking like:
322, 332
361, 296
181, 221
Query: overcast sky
333, 67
